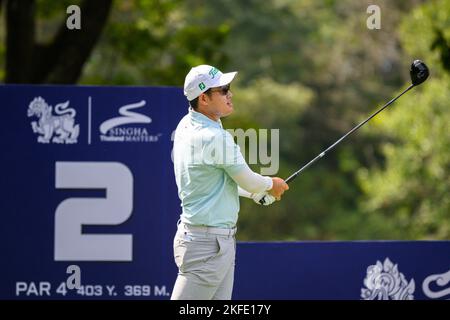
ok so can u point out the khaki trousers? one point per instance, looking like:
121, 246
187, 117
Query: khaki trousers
205, 258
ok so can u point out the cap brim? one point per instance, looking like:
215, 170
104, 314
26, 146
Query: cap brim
226, 78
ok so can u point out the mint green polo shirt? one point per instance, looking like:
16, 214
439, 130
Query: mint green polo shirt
204, 157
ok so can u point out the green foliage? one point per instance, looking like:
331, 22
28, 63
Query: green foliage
50, 15
153, 43
411, 192
49, 9
431, 24
348, 69
269, 103
408, 197
2, 50
313, 70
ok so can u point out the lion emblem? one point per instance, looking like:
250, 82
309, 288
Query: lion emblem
61, 127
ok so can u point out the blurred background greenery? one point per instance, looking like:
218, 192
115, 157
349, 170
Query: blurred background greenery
310, 68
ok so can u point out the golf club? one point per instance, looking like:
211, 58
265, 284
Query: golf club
418, 72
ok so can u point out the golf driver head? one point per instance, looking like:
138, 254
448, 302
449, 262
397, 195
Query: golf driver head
419, 72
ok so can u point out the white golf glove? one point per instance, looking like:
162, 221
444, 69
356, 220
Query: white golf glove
268, 199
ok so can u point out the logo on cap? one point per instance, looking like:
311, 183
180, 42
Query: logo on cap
201, 86
213, 72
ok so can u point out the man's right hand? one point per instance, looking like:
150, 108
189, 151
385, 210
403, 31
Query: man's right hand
278, 188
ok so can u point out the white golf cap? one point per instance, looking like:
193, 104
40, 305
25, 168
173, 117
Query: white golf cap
203, 77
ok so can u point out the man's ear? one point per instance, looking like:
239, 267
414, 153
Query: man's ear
203, 99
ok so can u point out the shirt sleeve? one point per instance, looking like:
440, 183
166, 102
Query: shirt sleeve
252, 181
244, 193
226, 154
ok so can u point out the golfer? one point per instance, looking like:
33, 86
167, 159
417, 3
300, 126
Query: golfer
211, 174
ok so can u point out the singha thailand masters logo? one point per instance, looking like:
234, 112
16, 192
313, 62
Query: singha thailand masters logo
118, 129
384, 282
60, 128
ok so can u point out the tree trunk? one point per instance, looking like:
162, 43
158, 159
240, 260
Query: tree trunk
19, 40
62, 60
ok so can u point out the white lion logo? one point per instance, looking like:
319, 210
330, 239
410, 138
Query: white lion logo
384, 282
61, 125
